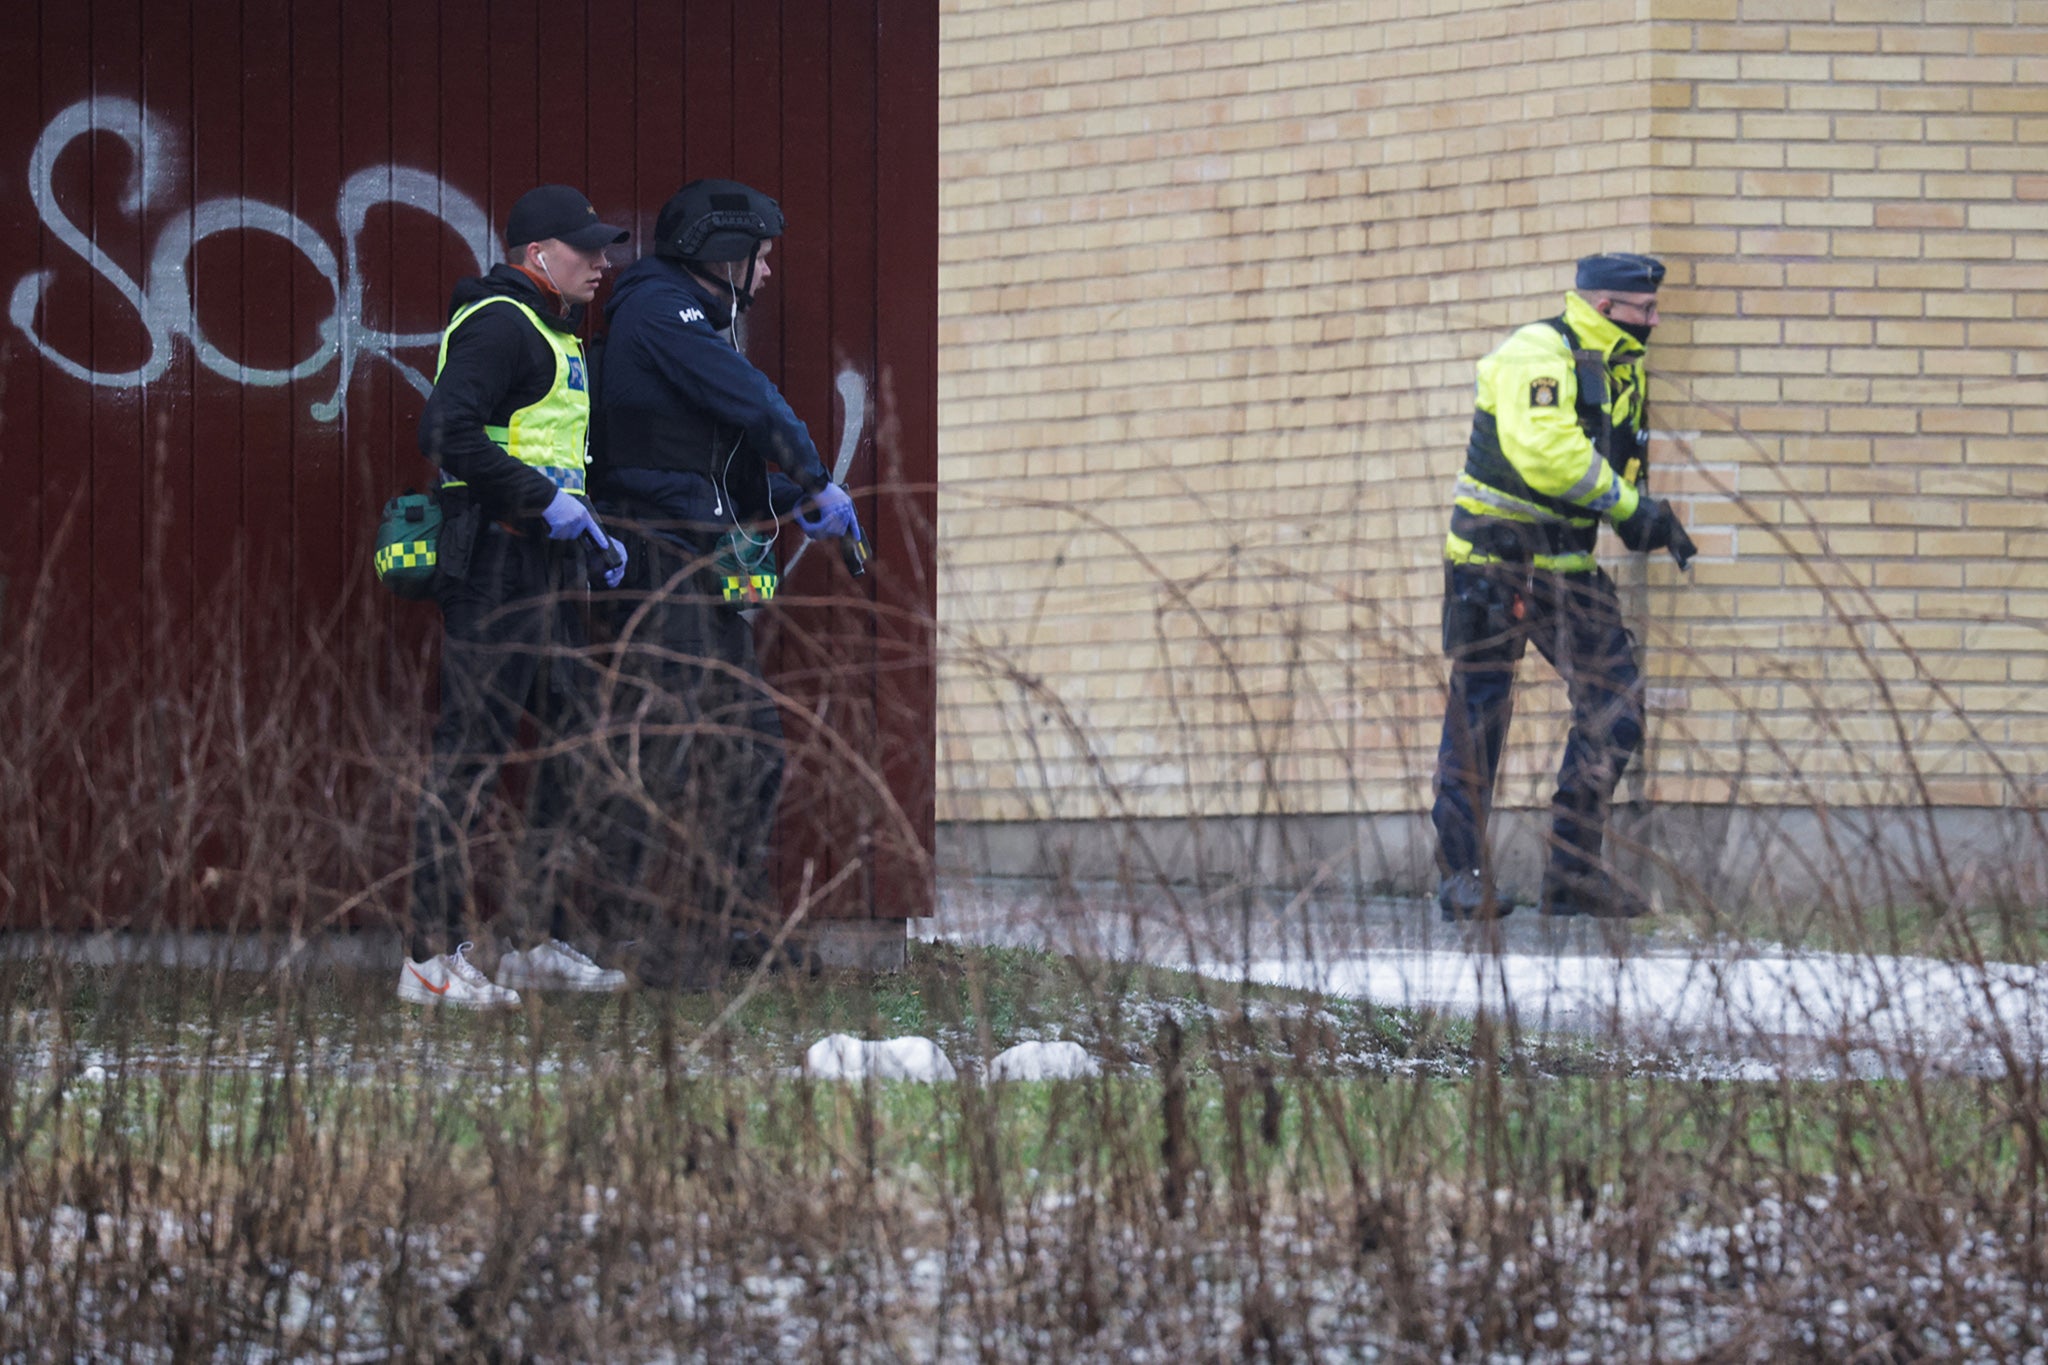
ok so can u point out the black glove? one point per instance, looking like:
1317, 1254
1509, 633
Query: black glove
1654, 526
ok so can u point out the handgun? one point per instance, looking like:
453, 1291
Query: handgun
855, 552
1681, 546
607, 553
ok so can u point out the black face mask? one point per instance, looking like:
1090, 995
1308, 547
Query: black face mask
1639, 330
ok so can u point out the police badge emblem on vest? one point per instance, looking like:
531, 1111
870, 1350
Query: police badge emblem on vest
1543, 393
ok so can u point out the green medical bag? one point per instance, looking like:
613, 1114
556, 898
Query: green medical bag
408, 544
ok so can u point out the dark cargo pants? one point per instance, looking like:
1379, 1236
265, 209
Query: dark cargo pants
511, 652
697, 762
1491, 615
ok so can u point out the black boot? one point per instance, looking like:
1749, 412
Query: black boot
1590, 893
1464, 896
749, 948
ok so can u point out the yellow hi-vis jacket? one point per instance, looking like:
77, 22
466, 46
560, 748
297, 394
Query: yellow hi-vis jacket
1557, 443
552, 435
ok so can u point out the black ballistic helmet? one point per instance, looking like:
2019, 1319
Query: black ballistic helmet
711, 221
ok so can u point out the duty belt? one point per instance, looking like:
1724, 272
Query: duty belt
569, 480
1506, 539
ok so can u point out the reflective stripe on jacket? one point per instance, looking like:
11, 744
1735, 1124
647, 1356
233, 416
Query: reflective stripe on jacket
551, 435
1536, 479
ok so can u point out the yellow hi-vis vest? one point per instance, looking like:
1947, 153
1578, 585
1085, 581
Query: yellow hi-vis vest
1533, 469
552, 435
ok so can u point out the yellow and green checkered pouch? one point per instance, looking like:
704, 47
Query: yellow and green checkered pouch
747, 576
408, 539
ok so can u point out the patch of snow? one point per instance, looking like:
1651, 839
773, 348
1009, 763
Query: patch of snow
1871, 1010
843, 1057
1043, 1062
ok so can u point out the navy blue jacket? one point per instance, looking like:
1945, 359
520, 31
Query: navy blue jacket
687, 428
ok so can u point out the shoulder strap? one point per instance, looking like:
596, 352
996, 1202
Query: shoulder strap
1590, 370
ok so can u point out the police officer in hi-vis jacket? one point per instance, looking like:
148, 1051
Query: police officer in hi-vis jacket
508, 427
1557, 446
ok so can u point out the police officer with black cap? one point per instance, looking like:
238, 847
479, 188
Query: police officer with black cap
507, 424
1558, 444
699, 458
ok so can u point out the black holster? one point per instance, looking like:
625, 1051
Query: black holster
1482, 606
462, 522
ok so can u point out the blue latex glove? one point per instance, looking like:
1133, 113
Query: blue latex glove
827, 514
613, 576
567, 518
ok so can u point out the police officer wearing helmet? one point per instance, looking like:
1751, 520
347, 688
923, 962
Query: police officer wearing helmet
1558, 444
507, 425
699, 459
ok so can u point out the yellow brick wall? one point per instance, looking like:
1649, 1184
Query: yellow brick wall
1855, 196
1213, 277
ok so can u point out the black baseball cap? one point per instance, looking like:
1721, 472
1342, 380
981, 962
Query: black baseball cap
562, 213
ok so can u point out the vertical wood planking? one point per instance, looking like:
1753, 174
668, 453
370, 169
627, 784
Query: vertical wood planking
707, 89
370, 407
270, 315
416, 257
511, 54
316, 172
795, 343
64, 320
22, 460
116, 433
563, 82
169, 451
608, 154
849, 171
802, 290
186, 490
221, 410
656, 148
906, 205
464, 154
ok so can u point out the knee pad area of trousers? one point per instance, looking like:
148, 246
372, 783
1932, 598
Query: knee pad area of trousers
1626, 734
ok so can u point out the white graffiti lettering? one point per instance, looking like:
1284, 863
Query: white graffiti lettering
853, 397
163, 303
853, 400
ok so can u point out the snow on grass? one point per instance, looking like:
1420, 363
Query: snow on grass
843, 1057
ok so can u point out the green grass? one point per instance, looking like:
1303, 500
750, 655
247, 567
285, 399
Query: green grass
973, 1001
1309, 1170
1988, 933
180, 1049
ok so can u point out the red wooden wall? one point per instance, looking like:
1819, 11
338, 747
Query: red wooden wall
228, 235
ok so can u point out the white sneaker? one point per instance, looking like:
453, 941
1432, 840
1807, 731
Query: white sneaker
555, 966
452, 979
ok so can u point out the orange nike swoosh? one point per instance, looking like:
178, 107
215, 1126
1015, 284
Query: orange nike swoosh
438, 990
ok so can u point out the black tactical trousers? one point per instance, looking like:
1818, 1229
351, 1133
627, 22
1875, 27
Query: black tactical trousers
696, 769
511, 654
1491, 615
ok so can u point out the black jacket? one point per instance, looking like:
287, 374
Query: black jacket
688, 427
497, 364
